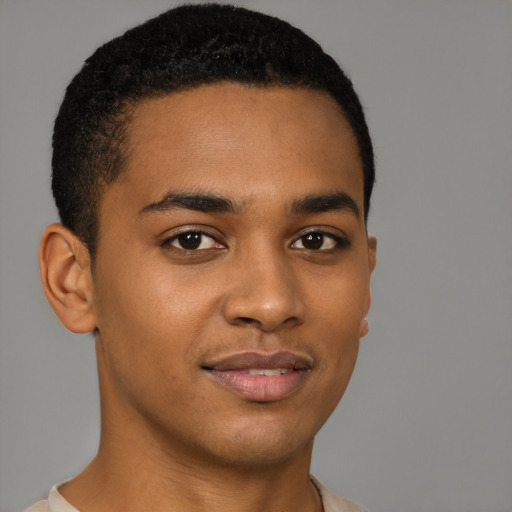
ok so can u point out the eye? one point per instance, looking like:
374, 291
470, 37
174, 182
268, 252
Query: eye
193, 241
319, 241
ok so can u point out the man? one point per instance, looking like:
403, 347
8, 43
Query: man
213, 171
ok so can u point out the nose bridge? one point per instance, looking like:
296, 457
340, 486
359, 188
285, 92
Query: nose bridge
265, 291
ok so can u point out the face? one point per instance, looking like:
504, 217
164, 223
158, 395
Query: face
231, 279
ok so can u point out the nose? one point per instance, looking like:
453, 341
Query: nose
265, 294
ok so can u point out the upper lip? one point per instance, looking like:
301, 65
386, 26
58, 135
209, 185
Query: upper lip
257, 360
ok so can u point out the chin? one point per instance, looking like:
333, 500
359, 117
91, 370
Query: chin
258, 447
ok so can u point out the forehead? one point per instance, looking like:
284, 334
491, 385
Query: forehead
230, 138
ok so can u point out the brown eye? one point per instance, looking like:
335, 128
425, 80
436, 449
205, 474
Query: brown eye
319, 241
189, 241
313, 241
193, 241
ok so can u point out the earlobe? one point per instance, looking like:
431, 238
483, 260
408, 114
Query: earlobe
65, 268
364, 329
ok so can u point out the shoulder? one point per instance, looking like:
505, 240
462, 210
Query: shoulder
54, 503
39, 506
334, 503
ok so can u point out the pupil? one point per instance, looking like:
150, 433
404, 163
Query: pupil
313, 241
190, 241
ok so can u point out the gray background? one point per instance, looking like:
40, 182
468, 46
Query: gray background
426, 424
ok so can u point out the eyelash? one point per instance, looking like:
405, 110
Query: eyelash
340, 242
168, 242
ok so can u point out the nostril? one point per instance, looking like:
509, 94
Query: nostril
265, 325
247, 320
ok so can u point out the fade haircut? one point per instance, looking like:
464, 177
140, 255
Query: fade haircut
183, 48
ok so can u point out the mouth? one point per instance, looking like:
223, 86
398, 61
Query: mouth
261, 377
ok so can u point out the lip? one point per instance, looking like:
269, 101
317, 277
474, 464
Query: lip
233, 372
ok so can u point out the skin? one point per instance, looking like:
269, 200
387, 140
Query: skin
173, 437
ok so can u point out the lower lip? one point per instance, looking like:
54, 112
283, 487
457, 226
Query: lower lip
260, 388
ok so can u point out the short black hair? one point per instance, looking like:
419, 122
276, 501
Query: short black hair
183, 48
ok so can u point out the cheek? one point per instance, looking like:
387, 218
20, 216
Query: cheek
151, 315
340, 300
148, 329
339, 310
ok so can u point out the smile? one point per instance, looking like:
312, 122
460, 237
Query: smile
260, 377
268, 371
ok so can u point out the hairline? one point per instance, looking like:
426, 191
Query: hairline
126, 111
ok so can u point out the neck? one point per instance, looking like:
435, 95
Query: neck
140, 468
124, 480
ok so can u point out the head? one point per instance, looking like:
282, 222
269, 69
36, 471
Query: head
181, 49
215, 165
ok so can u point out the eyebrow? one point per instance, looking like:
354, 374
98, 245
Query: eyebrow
212, 203
207, 203
325, 203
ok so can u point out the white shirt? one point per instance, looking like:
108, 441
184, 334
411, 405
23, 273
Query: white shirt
331, 502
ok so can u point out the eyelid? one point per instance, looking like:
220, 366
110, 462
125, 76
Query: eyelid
341, 239
324, 230
207, 231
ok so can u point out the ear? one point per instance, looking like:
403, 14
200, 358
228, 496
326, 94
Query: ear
372, 261
65, 267
372, 253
